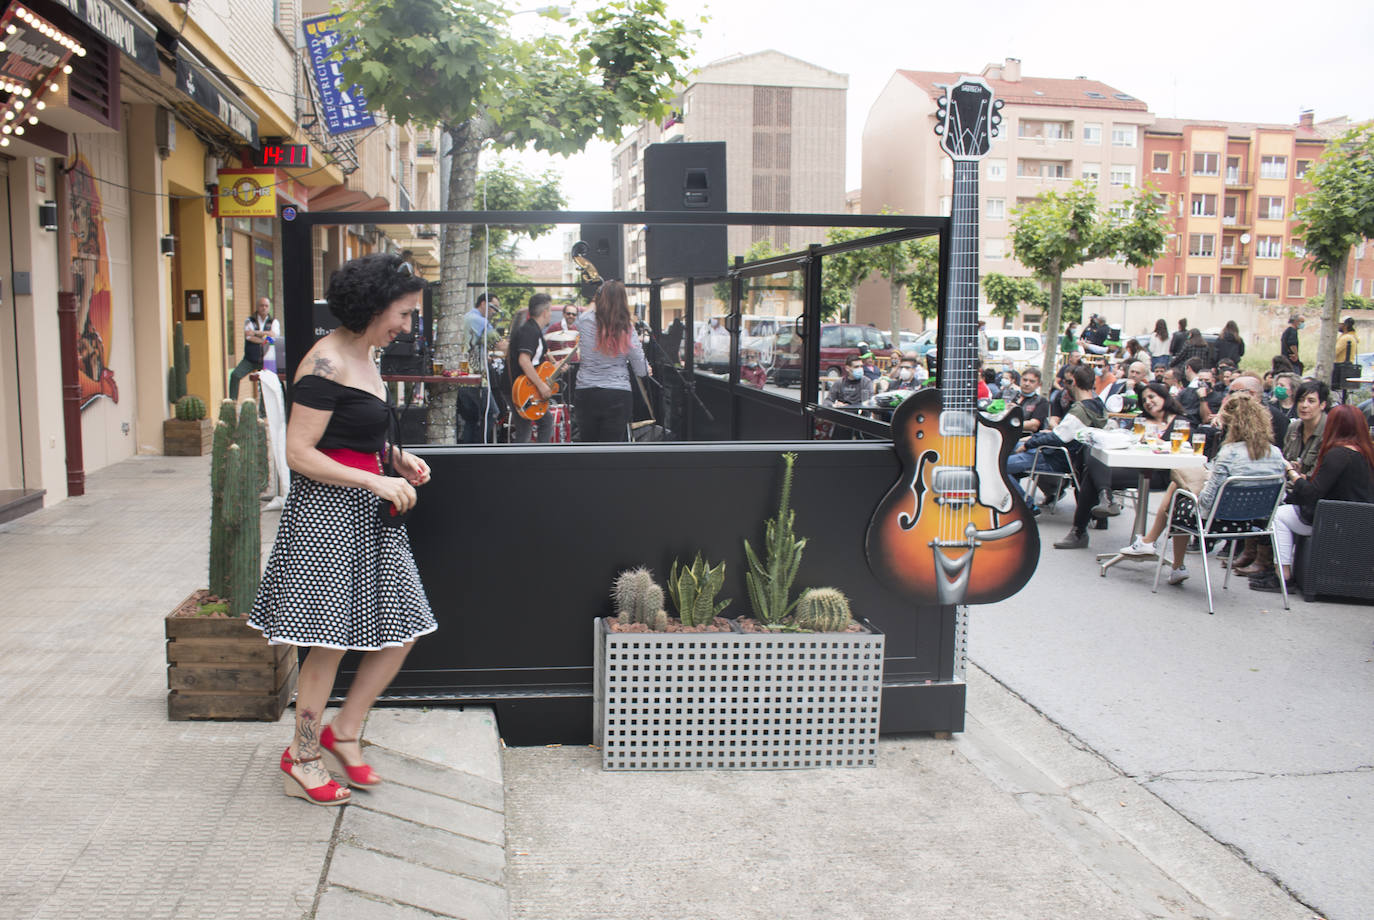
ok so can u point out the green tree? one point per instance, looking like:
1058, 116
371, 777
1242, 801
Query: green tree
759, 249
1336, 215
911, 267
1352, 302
1007, 294
1074, 294
502, 187
455, 64
1058, 231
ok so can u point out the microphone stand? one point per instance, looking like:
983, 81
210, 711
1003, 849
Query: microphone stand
664, 360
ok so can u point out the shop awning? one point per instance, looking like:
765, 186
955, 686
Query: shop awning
213, 97
339, 198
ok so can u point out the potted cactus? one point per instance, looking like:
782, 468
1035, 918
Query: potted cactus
218, 667
803, 689
188, 433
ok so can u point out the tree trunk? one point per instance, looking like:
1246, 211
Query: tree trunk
896, 315
1331, 317
1051, 331
452, 304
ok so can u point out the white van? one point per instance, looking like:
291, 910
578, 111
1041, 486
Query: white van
1015, 348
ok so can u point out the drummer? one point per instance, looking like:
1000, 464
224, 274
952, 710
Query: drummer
561, 336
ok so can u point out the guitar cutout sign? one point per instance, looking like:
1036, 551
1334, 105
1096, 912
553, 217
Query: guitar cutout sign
954, 529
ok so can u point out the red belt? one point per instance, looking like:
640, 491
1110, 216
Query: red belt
357, 459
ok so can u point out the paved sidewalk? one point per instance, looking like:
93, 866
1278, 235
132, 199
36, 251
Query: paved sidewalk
114, 812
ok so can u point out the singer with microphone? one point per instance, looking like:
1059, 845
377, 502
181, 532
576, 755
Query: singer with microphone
609, 349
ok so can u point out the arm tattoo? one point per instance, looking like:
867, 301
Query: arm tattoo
323, 367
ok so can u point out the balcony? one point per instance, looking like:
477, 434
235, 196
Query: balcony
1234, 258
424, 157
1238, 178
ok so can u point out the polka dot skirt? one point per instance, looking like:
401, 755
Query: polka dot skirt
336, 577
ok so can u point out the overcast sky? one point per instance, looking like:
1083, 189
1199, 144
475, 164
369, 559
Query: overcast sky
1246, 60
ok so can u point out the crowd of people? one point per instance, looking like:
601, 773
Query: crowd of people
1280, 422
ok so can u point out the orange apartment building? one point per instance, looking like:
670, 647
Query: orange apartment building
1231, 191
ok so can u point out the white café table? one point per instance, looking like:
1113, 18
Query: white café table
1145, 460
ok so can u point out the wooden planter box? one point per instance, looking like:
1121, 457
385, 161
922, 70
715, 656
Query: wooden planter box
187, 438
672, 701
221, 668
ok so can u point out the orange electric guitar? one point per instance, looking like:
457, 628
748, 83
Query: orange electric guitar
954, 529
525, 399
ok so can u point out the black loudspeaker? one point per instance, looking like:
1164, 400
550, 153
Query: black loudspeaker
605, 249
685, 177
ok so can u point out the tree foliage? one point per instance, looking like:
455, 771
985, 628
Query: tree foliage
1058, 231
758, 250
1073, 295
1007, 294
503, 187
1332, 218
911, 267
455, 64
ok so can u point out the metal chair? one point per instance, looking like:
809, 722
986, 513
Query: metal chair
1240, 500
1036, 472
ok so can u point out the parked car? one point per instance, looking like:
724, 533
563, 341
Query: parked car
757, 332
920, 344
838, 342
1015, 349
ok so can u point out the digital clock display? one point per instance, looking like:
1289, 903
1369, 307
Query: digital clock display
275, 155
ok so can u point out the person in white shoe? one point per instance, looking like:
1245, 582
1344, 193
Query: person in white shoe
1246, 451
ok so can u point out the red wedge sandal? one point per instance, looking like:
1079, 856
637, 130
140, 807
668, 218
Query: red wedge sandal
361, 776
325, 794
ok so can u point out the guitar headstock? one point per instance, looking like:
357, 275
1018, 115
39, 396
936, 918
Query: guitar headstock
969, 119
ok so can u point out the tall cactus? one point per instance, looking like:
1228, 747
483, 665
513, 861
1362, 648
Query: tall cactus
823, 610
770, 584
639, 599
235, 529
693, 590
181, 364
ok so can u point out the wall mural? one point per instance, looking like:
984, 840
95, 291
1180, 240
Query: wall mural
91, 278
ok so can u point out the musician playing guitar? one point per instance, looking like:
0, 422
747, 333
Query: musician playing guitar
527, 350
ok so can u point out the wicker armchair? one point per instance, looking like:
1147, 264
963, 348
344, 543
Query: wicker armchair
1337, 559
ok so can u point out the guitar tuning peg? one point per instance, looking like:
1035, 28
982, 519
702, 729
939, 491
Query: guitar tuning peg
939, 129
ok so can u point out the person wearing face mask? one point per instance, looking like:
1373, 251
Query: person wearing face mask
1285, 388
1288, 343
852, 390
909, 375
1035, 408
752, 373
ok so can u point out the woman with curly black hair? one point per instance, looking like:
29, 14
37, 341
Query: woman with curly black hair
341, 575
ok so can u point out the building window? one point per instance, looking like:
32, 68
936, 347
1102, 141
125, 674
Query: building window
1199, 284
946, 205
1301, 167
1298, 249
1233, 174
1123, 175
1161, 163
1041, 169
1202, 245
1205, 205
1357, 287
1123, 135
1269, 247
1273, 167
946, 168
1092, 133
1155, 283
997, 169
997, 208
994, 248
1271, 207
1266, 287
1052, 130
1359, 250
1031, 322
1092, 171
1295, 287
1118, 288
1206, 164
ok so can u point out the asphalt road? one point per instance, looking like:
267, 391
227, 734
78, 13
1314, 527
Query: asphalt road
1253, 723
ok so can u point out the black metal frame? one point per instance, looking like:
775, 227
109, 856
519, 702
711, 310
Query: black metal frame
515, 629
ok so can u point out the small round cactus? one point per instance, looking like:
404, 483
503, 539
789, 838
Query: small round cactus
190, 408
823, 610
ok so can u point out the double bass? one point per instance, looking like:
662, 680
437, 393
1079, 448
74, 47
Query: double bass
953, 529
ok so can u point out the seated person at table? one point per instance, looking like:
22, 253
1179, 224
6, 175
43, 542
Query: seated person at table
1086, 412
1094, 495
1344, 473
852, 390
752, 372
869, 364
990, 381
908, 375
1035, 408
1246, 451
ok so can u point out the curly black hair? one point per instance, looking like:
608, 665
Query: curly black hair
366, 286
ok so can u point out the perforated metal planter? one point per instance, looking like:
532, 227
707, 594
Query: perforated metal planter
737, 701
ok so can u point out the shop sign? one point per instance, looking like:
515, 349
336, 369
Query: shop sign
210, 94
33, 53
247, 193
120, 25
344, 109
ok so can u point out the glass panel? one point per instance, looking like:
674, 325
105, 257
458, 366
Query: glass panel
770, 358
710, 335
